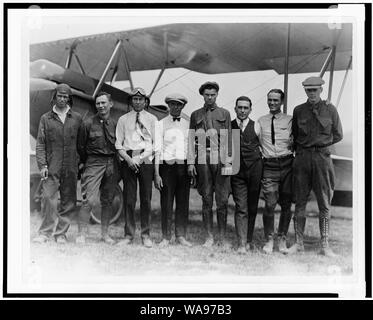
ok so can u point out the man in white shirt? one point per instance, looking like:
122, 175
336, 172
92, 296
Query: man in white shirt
136, 144
274, 131
171, 172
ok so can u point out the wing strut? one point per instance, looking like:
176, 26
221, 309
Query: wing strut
165, 47
286, 73
127, 66
326, 63
331, 76
104, 74
344, 82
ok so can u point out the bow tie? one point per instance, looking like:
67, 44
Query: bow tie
176, 118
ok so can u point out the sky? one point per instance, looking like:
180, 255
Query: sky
252, 84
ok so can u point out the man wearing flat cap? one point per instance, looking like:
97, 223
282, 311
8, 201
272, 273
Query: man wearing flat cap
136, 143
57, 159
171, 171
315, 127
210, 152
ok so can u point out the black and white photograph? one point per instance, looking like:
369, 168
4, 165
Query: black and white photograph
186, 151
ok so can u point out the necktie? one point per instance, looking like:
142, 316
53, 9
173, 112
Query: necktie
241, 125
140, 128
273, 130
176, 118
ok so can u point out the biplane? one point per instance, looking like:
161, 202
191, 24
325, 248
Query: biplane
93, 63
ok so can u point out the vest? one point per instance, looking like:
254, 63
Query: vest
249, 144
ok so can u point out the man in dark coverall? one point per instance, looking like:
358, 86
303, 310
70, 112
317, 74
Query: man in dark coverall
57, 159
213, 124
96, 147
315, 127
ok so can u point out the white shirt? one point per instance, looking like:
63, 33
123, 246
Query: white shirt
174, 138
128, 138
282, 126
61, 115
245, 122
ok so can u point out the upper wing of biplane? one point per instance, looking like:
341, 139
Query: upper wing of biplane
208, 48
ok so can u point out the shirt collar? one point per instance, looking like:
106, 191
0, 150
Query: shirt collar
57, 112
245, 122
277, 115
210, 108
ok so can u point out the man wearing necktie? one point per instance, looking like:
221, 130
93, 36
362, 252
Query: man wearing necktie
316, 126
136, 143
210, 151
171, 171
274, 132
246, 183
96, 147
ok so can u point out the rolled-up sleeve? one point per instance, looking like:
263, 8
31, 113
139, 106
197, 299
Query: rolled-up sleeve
119, 135
41, 154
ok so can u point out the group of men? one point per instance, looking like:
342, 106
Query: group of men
284, 156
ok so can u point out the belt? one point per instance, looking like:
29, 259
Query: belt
131, 152
289, 156
313, 148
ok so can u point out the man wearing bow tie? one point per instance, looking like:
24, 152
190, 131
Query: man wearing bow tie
96, 147
246, 183
316, 126
274, 132
137, 144
171, 172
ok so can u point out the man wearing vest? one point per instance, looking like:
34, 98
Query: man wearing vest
246, 183
211, 126
274, 132
316, 126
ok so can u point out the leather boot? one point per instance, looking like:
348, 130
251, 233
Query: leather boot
283, 225
222, 225
299, 225
325, 249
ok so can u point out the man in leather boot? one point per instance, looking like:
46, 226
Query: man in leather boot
274, 132
209, 157
96, 147
316, 126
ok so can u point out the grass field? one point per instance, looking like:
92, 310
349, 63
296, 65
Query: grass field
98, 258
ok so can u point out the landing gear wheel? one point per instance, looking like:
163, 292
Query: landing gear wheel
117, 207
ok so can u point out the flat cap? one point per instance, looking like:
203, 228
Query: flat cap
208, 84
313, 82
63, 87
176, 97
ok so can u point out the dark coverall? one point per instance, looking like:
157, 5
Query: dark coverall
96, 147
209, 177
56, 148
314, 128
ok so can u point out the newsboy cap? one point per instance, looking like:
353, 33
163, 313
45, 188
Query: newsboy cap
208, 84
176, 97
63, 87
313, 82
